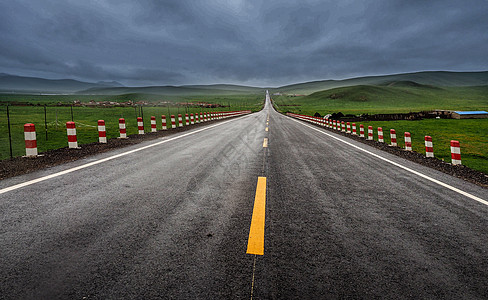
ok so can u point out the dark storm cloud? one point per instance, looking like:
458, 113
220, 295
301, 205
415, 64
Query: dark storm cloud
256, 42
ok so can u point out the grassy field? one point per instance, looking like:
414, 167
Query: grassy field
401, 97
472, 135
86, 119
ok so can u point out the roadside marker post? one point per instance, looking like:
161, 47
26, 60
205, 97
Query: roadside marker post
455, 153
380, 135
370, 133
71, 131
102, 134
30, 140
192, 120
122, 129
408, 141
354, 132
343, 124
361, 130
140, 125
163, 122
180, 120
153, 124
187, 120
348, 127
429, 147
393, 137
173, 122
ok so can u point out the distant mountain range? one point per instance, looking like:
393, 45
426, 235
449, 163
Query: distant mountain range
33, 85
20, 84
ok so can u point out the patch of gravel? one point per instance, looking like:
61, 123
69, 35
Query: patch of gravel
23, 165
460, 171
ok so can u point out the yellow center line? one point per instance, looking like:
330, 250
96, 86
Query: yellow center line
266, 129
265, 143
255, 243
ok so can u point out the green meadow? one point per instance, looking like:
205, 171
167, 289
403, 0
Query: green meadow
400, 97
403, 97
86, 118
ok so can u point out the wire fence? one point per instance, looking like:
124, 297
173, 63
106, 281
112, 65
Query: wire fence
50, 122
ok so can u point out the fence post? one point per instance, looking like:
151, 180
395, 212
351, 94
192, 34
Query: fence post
455, 153
122, 129
163, 122
102, 134
140, 125
380, 135
71, 131
9, 131
408, 141
393, 137
30, 140
153, 124
45, 119
429, 147
370, 133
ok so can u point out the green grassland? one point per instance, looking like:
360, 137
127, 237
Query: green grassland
398, 97
471, 133
86, 117
403, 97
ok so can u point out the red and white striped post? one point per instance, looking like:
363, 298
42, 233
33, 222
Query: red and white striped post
354, 131
429, 147
196, 119
163, 122
343, 124
180, 120
204, 117
192, 120
153, 124
122, 129
187, 120
140, 125
173, 122
102, 134
348, 127
370, 133
334, 124
71, 131
361, 130
380, 135
393, 137
408, 141
30, 140
455, 153
201, 118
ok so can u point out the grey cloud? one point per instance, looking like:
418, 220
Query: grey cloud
239, 41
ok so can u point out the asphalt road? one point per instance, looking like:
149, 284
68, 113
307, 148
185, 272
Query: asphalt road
172, 220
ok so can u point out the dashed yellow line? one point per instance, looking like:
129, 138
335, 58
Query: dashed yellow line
266, 129
265, 143
255, 243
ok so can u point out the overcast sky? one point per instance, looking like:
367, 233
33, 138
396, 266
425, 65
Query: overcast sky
253, 42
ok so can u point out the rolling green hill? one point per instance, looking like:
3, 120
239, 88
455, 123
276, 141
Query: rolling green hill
437, 78
394, 97
175, 90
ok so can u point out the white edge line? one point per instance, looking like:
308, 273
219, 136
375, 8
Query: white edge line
30, 182
400, 166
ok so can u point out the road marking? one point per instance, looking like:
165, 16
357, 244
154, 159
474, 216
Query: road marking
266, 129
30, 182
255, 243
265, 143
400, 166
